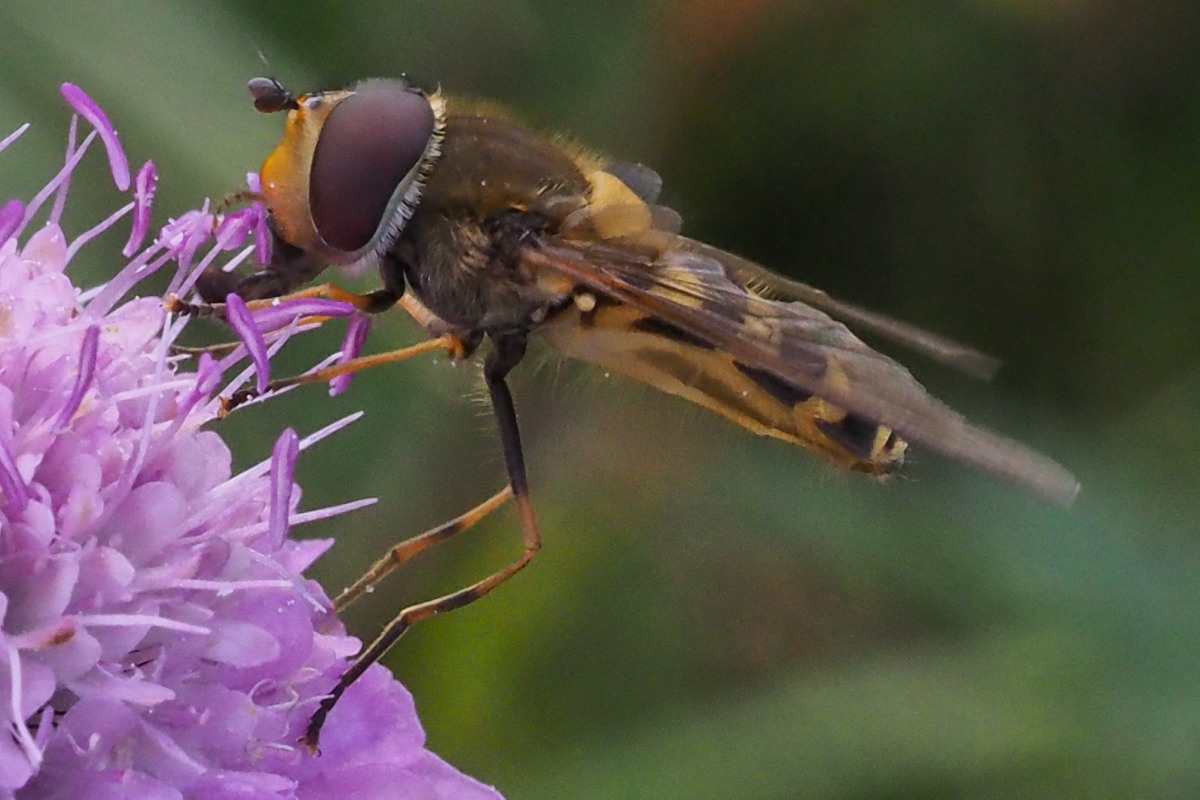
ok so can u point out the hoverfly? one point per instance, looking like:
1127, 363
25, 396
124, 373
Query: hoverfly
484, 229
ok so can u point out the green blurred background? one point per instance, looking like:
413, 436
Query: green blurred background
714, 615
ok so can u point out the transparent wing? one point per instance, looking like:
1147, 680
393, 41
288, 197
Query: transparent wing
689, 286
939, 348
657, 228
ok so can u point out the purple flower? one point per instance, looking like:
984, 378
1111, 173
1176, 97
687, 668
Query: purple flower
157, 639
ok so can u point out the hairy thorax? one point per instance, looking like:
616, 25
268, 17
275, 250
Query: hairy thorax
495, 188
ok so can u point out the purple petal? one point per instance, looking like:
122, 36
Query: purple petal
47, 249
12, 214
233, 228
91, 233
241, 644
305, 553
356, 334
374, 747
72, 654
262, 234
286, 620
144, 185
15, 769
147, 520
38, 593
208, 374
231, 785
87, 108
83, 378
242, 322
182, 237
135, 690
283, 468
282, 313
16, 492
72, 155
208, 378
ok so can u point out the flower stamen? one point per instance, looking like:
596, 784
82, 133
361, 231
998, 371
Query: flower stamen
32, 751
12, 137
87, 108
96, 230
83, 378
139, 620
144, 185
283, 468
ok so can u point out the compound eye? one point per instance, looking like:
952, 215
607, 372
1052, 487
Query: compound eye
269, 95
368, 146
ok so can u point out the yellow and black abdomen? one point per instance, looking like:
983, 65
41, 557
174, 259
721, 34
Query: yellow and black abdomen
626, 341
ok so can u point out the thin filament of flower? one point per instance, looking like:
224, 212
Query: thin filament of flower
32, 751
127, 620
96, 230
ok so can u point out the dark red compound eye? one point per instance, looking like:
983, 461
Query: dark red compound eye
367, 146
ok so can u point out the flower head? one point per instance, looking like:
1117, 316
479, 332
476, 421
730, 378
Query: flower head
156, 636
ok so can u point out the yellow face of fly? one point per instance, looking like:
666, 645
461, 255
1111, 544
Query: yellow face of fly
285, 172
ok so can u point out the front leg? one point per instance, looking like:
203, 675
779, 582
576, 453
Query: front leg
289, 268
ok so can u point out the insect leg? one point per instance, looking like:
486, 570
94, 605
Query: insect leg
218, 349
507, 353
405, 550
371, 302
449, 342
